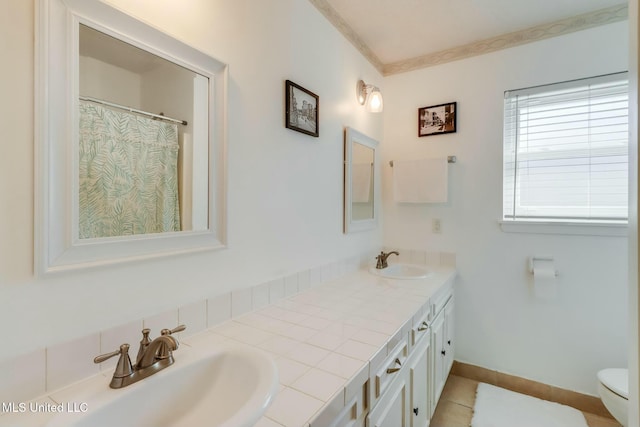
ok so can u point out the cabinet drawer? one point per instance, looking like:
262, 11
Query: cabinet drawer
390, 368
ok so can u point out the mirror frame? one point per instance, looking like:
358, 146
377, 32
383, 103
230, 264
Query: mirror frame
57, 246
352, 136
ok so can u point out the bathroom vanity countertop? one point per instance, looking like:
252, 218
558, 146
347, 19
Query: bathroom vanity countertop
322, 340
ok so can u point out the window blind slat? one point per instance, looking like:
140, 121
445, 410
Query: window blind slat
565, 151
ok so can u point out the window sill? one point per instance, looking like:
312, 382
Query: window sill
568, 228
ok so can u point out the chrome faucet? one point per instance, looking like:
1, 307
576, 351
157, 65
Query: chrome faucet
382, 259
153, 356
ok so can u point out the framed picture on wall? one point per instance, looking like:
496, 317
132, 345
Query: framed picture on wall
437, 119
302, 108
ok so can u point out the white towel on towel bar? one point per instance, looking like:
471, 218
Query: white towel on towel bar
421, 181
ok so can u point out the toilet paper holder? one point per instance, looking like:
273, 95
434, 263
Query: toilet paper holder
533, 259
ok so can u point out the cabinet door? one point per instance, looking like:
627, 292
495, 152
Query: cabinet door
449, 344
392, 409
419, 382
439, 353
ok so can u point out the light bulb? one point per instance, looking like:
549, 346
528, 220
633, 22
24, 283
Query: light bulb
374, 101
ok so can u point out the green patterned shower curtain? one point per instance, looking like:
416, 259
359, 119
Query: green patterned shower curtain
128, 173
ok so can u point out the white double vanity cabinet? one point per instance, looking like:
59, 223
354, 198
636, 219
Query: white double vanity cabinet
406, 378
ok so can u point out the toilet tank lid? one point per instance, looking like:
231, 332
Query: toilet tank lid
616, 380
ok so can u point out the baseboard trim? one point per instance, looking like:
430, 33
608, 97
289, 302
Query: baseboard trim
582, 402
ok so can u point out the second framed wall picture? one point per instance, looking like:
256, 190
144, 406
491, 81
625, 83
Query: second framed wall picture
302, 108
437, 119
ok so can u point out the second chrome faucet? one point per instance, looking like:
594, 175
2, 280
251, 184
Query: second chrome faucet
382, 259
153, 356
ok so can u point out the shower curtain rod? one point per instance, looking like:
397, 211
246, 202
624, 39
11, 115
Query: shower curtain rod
133, 110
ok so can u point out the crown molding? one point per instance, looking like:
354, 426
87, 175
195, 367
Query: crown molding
539, 32
517, 38
341, 25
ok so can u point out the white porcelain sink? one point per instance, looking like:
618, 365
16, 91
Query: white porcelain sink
230, 388
402, 271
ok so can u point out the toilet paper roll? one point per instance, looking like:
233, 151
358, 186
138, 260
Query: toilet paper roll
544, 279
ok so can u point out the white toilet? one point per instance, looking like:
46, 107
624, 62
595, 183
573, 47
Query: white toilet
613, 388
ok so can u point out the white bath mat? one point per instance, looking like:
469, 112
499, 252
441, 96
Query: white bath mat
497, 407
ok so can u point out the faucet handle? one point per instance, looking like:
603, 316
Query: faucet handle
173, 331
123, 367
106, 356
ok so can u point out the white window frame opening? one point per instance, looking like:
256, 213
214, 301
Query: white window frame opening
566, 155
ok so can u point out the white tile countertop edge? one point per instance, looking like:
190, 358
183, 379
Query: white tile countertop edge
323, 341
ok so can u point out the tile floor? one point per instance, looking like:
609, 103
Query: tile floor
455, 408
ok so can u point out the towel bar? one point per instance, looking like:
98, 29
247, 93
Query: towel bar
450, 159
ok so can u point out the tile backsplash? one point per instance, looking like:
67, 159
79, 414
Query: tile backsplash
40, 372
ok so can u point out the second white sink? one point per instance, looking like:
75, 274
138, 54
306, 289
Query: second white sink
229, 388
402, 271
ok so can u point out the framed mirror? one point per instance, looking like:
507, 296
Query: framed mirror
130, 129
360, 182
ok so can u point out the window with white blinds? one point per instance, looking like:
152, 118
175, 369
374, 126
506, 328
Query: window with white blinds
565, 151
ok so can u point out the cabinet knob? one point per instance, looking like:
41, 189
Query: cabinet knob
449, 342
443, 352
415, 411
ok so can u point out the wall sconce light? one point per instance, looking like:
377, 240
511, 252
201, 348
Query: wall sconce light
369, 96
